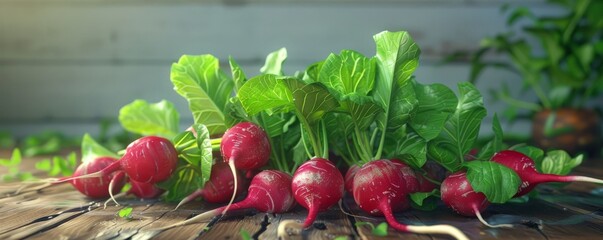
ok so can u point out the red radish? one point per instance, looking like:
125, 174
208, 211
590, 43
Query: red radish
317, 185
530, 177
149, 159
269, 192
98, 187
412, 183
349, 177
380, 189
457, 193
218, 189
244, 146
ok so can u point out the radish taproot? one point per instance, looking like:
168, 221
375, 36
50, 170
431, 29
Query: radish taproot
149, 159
530, 177
268, 192
457, 193
219, 188
317, 185
379, 189
244, 146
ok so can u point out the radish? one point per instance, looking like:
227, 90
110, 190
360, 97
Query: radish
317, 185
101, 187
457, 193
268, 192
218, 189
526, 170
244, 146
380, 189
349, 177
148, 159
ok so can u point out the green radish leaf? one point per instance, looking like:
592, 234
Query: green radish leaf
425, 201
496, 181
205, 148
412, 148
560, 162
238, 76
461, 130
92, 149
206, 88
495, 145
403, 105
348, 74
436, 103
274, 62
13, 166
157, 119
185, 180
265, 92
58, 165
380, 230
397, 58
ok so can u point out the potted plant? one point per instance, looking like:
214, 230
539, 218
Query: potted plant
559, 60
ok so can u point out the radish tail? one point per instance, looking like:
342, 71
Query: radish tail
585, 179
105, 171
189, 198
234, 192
437, 229
312, 212
119, 195
479, 216
115, 178
47, 182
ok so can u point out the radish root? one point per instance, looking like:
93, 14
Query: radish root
481, 219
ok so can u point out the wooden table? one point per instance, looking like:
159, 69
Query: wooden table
60, 212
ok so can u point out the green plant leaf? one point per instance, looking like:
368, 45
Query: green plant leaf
205, 148
496, 181
274, 62
348, 74
380, 230
412, 148
157, 119
185, 180
536, 154
461, 130
495, 144
206, 88
436, 103
244, 234
92, 149
125, 213
238, 76
559, 162
265, 92
397, 58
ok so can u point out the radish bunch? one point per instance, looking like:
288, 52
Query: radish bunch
380, 188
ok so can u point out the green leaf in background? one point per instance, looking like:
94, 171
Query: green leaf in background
206, 88
312, 100
58, 165
125, 213
244, 234
274, 62
436, 103
412, 148
185, 180
157, 119
12, 165
92, 149
496, 181
559, 162
7, 140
